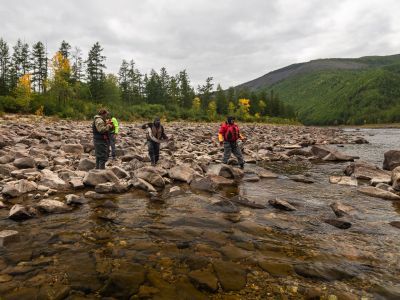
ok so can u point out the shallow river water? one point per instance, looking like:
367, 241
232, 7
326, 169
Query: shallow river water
133, 247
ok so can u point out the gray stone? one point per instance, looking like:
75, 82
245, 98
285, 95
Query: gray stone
53, 206
376, 192
17, 188
95, 177
72, 199
119, 172
18, 213
182, 173
391, 159
24, 163
231, 276
72, 148
281, 204
151, 175
86, 164
51, 180
142, 184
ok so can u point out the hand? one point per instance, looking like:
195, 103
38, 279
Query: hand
221, 143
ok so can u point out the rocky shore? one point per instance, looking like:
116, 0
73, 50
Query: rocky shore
190, 228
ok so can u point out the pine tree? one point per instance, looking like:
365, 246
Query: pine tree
77, 65
173, 90
153, 89
39, 67
95, 71
4, 68
135, 84
20, 64
186, 93
205, 92
65, 49
123, 81
164, 84
221, 101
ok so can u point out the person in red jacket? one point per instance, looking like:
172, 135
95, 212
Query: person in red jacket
228, 136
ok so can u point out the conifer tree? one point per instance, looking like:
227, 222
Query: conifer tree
65, 49
95, 71
39, 67
4, 68
77, 65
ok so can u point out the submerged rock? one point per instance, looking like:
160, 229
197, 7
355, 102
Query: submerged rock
367, 171
231, 276
204, 280
338, 223
324, 272
19, 213
341, 210
8, 236
328, 154
52, 206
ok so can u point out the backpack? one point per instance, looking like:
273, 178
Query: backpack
232, 133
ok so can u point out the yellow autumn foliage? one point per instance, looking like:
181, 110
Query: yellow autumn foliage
23, 92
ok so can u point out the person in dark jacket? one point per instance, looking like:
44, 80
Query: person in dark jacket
228, 136
101, 130
155, 135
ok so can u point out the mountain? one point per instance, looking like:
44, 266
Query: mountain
338, 90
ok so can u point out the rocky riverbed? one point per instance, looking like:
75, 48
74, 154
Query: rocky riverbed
306, 219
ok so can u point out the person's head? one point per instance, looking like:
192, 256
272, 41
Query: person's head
230, 120
157, 122
103, 113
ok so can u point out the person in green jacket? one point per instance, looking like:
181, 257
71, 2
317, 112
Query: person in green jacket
113, 135
101, 130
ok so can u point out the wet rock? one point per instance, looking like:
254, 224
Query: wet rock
341, 210
343, 180
319, 271
142, 184
391, 159
119, 172
2, 205
234, 253
76, 183
367, 171
277, 269
395, 224
263, 173
72, 199
72, 148
51, 180
53, 206
251, 178
326, 153
185, 290
380, 180
301, 178
376, 192
56, 291
104, 188
204, 184
338, 223
94, 195
150, 175
204, 280
223, 170
299, 152
24, 163
233, 217
281, 204
60, 161
243, 201
19, 213
86, 164
231, 276
95, 177
7, 169
6, 159
17, 188
175, 191
26, 293
225, 206
7, 237
182, 173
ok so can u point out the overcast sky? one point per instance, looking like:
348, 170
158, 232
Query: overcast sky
232, 41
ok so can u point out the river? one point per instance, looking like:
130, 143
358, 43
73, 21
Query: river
129, 244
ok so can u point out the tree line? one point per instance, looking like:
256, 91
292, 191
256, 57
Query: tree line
68, 85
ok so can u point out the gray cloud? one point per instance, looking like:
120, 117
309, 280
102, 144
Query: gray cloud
233, 41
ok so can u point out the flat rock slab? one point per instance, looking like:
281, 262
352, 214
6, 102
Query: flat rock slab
231, 276
343, 180
376, 192
204, 280
341, 224
277, 269
53, 206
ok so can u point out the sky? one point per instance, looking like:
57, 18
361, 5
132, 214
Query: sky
231, 41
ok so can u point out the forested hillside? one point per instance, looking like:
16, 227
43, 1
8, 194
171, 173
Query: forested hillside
338, 91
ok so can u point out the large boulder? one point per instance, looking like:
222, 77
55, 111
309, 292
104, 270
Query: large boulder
51, 180
95, 177
86, 164
182, 173
17, 188
119, 172
223, 170
142, 184
150, 175
72, 148
367, 171
24, 163
391, 160
328, 154
53, 206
